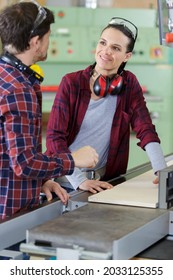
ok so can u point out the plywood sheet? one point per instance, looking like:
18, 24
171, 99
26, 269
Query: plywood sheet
139, 191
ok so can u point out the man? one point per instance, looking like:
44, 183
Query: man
24, 170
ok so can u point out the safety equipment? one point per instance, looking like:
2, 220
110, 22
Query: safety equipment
104, 85
15, 62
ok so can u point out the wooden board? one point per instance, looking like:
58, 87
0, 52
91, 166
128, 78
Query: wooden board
139, 191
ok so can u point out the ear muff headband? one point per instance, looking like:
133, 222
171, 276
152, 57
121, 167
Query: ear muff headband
103, 85
12, 60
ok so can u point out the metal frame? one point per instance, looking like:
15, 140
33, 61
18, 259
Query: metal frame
14, 230
165, 195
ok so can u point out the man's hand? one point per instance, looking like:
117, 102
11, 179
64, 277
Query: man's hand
85, 157
94, 186
52, 186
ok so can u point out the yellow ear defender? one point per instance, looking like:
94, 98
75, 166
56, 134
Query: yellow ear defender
37, 69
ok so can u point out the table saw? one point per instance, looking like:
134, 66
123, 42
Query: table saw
91, 229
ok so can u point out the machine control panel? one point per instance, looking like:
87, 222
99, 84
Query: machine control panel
76, 32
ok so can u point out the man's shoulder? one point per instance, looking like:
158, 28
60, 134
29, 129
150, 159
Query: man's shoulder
11, 80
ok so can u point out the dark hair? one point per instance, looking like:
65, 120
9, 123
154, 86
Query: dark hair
127, 33
17, 22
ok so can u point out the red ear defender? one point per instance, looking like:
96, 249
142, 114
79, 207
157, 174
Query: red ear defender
103, 85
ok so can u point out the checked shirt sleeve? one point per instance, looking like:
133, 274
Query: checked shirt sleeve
22, 126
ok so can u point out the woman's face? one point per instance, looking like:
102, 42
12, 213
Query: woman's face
111, 51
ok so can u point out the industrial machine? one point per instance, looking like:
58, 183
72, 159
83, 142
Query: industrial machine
165, 10
88, 230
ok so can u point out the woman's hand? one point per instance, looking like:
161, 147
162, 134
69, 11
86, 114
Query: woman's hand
94, 186
156, 180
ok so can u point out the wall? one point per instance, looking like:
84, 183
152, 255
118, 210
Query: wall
146, 4
100, 3
4, 3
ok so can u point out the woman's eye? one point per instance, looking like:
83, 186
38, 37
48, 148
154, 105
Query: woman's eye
116, 49
102, 43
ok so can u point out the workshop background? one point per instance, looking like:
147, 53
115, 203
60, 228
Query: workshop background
72, 46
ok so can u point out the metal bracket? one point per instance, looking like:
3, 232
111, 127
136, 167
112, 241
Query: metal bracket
72, 205
165, 196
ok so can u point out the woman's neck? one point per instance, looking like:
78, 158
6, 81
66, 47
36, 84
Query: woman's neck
98, 71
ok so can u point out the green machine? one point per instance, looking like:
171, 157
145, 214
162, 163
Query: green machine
72, 45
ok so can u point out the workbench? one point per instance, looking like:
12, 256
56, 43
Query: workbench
89, 230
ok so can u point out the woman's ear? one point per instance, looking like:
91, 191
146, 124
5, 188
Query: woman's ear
128, 56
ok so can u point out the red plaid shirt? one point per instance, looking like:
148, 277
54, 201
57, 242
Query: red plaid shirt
22, 165
69, 109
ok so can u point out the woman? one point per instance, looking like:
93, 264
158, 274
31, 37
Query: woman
97, 106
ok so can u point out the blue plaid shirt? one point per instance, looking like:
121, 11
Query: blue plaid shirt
23, 168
